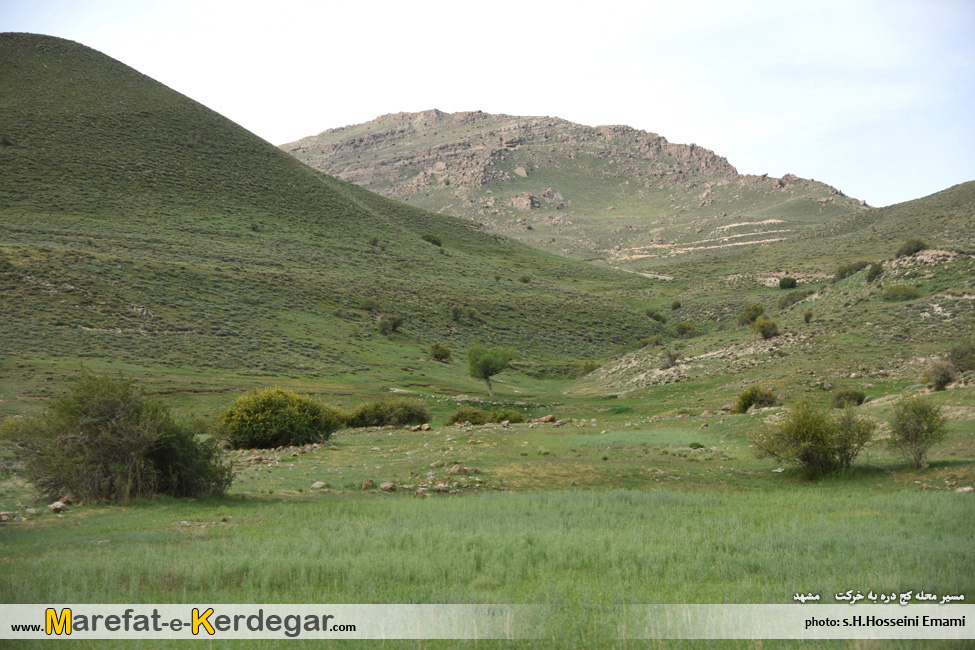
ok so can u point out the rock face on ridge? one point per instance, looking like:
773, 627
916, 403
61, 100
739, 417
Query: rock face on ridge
609, 193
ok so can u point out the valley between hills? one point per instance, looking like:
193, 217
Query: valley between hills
143, 235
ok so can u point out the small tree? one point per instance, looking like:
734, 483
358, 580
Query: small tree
787, 283
916, 425
750, 313
484, 363
765, 327
440, 352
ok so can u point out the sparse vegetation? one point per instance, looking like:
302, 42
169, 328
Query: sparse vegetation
916, 425
757, 396
671, 357
106, 441
814, 441
275, 417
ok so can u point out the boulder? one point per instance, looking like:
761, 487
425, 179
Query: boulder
318, 485
387, 486
58, 507
547, 418
368, 483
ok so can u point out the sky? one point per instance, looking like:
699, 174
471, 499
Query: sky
876, 98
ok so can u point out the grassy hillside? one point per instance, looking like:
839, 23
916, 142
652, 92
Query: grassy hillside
139, 229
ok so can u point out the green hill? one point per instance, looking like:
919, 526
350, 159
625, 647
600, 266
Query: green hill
139, 229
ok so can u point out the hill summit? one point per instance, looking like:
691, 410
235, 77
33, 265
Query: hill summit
608, 193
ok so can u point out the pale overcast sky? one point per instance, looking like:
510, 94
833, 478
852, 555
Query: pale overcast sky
876, 98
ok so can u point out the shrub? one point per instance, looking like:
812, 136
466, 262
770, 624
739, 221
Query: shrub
940, 373
899, 292
369, 304
395, 411
815, 441
476, 415
106, 441
846, 270
389, 323
916, 425
433, 239
765, 327
686, 330
787, 283
671, 357
525, 279
807, 316
750, 313
754, 396
910, 247
848, 397
962, 355
276, 417
657, 316
440, 352
674, 306
793, 297
874, 272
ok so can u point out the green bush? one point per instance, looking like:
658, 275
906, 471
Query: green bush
275, 417
440, 352
962, 355
846, 270
671, 357
758, 396
686, 330
916, 425
674, 306
525, 279
389, 323
848, 397
807, 316
910, 247
395, 411
106, 441
940, 373
899, 292
874, 272
793, 297
787, 283
433, 239
750, 313
814, 441
476, 415
657, 316
765, 327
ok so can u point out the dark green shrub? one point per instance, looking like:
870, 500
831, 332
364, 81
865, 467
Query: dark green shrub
433, 239
276, 417
106, 441
440, 352
374, 241
758, 396
750, 313
686, 330
525, 279
657, 316
476, 415
940, 373
369, 304
395, 411
962, 355
389, 323
916, 425
787, 283
910, 247
814, 441
674, 306
765, 327
899, 292
846, 270
874, 272
848, 397
807, 316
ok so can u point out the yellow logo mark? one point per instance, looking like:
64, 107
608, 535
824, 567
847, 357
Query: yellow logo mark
58, 624
199, 620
